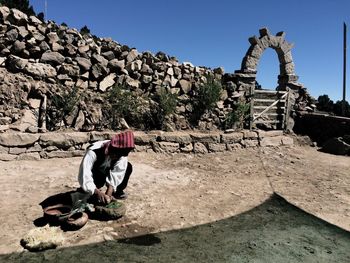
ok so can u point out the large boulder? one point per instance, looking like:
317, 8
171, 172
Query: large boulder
54, 58
40, 70
84, 63
336, 146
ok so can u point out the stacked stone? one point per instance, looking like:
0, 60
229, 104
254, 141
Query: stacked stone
56, 55
26, 146
52, 52
38, 59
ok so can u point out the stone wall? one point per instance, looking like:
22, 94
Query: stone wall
320, 128
26, 146
39, 60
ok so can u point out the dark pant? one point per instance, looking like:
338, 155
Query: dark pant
100, 179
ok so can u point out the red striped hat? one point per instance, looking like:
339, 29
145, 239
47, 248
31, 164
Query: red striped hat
123, 140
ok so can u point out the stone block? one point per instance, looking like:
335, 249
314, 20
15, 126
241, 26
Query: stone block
178, 137
187, 148
34, 156
233, 146
232, 137
64, 140
217, 147
35, 148
65, 154
256, 51
263, 134
143, 148
17, 150
250, 143
199, 148
205, 137
165, 147
250, 134
271, 141
287, 140
7, 157
4, 128
287, 69
4, 149
100, 136
142, 138
5, 120
18, 139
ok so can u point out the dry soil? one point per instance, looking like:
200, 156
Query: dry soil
287, 204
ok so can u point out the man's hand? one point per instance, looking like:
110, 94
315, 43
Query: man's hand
109, 190
101, 197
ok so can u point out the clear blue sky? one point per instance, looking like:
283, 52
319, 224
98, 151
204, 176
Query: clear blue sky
215, 33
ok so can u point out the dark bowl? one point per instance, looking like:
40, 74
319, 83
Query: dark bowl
53, 213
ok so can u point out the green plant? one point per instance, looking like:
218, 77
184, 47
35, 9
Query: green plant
207, 96
167, 101
238, 116
84, 30
60, 106
123, 104
164, 105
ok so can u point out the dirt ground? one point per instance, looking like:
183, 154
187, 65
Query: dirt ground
184, 191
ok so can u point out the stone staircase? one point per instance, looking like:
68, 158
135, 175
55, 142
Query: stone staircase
269, 108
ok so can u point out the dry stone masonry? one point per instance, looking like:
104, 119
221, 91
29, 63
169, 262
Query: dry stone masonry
38, 60
27, 146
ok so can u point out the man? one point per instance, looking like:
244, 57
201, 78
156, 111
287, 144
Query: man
106, 163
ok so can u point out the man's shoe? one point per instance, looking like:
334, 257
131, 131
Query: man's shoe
120, 195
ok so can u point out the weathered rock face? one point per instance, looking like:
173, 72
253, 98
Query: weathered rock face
53, 59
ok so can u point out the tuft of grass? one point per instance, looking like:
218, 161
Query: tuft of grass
238, 116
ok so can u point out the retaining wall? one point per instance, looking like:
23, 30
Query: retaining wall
26, 146
321, 127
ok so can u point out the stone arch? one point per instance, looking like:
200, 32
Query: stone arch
287, 77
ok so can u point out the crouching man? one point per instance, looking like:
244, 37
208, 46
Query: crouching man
106, 163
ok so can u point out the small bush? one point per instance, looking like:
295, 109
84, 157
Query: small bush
208, 95
60, 106
167, 101
122, 103
238, 117
164, 105
84, 30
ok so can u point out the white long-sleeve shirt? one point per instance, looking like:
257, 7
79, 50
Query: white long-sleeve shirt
114, 175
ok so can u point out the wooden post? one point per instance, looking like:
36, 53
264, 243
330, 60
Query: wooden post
251, 107
42, 114
344, 73
288, 110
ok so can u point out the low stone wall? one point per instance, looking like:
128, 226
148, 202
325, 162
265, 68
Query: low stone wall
321, 127
26, 146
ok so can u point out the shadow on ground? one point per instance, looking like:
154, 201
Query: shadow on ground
275, 231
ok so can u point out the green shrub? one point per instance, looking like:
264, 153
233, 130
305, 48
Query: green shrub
122, 103
207, 96
167, 102
164, 105
60, 106
85, 30
238, 116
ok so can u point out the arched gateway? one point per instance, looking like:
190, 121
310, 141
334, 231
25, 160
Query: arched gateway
269, 107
